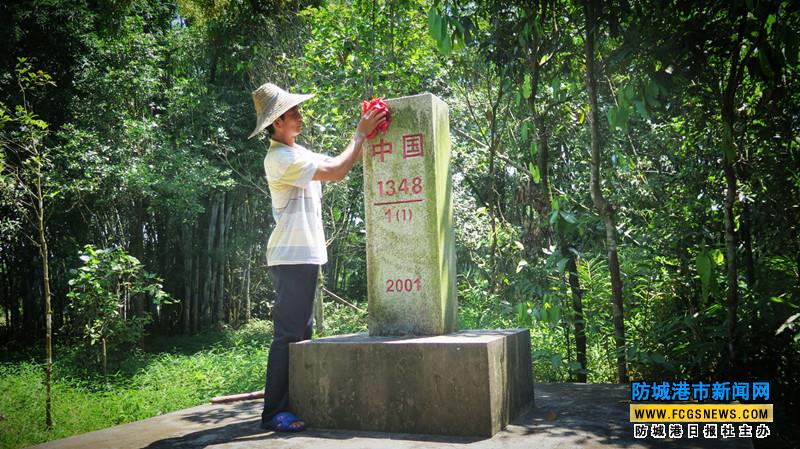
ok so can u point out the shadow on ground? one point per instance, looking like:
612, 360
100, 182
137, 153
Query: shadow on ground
247, 431
565, 415
240, 434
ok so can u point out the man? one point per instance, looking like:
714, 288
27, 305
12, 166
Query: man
296, 248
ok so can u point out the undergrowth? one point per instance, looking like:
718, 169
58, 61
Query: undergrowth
171, 374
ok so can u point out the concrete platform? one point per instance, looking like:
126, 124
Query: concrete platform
469, 383
589, 416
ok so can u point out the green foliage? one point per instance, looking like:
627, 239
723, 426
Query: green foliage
636, 96
340, 319
100, 297
29, 81
25, 162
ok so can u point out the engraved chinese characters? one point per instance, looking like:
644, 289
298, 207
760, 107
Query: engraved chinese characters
408, 207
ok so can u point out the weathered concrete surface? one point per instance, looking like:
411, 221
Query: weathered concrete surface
466, 383
566, 416
411, 269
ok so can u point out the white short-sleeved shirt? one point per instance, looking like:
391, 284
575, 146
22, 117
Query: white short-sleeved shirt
298, 237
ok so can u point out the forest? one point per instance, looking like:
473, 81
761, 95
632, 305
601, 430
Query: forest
626, 183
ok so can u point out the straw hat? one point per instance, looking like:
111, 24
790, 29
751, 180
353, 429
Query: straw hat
271, 101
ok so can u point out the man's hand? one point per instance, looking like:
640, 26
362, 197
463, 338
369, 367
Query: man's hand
369, 121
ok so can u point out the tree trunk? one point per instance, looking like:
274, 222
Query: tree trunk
543, 155
6, 282
616, 292
11, 296
16, 313
224, 218
43, 251
319, 312
494, 202
730, 230
196, 294
579, 322
247, 285
225, 237
604, 208
137, 250
747, 242
729, 157
105, 360
187, 278
493, 212
743, 171
205, 312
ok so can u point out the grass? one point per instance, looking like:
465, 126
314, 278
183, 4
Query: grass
165, 382
174, 373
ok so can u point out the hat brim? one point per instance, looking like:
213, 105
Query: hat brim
268, 117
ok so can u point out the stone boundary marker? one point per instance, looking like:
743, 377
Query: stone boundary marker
412, 373
411, 260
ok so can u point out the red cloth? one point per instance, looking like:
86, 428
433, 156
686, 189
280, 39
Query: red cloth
379, 105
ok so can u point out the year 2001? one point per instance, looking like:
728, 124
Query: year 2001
403, 285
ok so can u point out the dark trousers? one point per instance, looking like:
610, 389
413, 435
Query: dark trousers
292, 316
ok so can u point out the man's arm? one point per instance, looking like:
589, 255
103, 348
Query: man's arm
337, 168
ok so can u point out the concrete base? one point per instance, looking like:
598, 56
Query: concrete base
469, 383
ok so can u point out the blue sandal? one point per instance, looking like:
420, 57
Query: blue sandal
282, 422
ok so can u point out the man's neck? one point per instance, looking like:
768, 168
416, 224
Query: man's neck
286, 140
